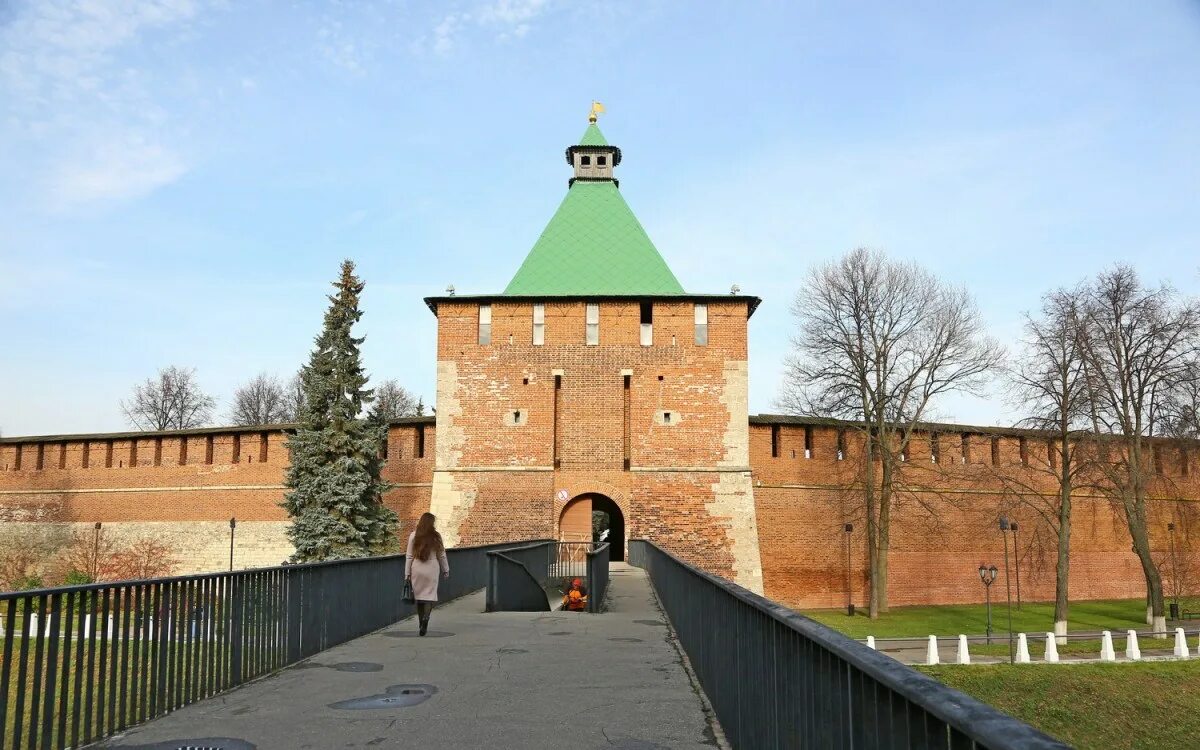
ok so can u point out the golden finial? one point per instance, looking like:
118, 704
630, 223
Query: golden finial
597, 108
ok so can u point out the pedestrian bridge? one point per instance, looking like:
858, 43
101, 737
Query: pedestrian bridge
327, 656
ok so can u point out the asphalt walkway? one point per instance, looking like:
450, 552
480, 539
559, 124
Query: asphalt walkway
500, 680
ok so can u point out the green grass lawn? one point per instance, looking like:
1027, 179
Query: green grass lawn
1127, 706
950, 620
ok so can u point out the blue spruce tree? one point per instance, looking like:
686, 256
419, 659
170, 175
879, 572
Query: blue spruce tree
335, 493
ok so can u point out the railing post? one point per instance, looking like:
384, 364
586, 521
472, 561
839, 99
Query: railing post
237, 611
292, 619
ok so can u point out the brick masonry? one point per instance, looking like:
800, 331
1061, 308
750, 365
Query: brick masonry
760, 500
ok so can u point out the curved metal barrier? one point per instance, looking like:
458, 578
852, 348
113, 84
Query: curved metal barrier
80, 663
777, 679
597, 577
513, 587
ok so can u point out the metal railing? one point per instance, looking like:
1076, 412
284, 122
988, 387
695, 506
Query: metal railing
518, 577
597, 577
777, 679
571, 560
81, 663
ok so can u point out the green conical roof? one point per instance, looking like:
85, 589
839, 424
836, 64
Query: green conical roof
592, 136
593, 245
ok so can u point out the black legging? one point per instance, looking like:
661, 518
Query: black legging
423, 610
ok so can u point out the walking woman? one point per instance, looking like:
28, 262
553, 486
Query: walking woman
426, 558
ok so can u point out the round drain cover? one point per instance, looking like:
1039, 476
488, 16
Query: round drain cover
650, 622
512, 651
626, 640
396, 696
415, 634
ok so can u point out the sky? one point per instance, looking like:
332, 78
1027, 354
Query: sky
179, 179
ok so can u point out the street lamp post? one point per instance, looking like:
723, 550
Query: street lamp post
96, 553
1016, 561
849, 598
232, 527
1174, 573
987, 574
1004, 526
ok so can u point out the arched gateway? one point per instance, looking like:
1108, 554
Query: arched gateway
586, 518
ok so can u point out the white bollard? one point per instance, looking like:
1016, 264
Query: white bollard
931, 653
871, 642
964, 655
1022, 649
1181, 647
1132, 652
33, 625
110, 627
1051, 648
87, 625
1198, 645
1107, 653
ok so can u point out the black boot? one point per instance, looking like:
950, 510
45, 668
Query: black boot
423, 618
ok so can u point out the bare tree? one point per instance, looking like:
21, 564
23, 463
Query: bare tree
393, 400
879, 341
172, 400
262, 400
1138, 345
1180, 410
293, 399
1047, 385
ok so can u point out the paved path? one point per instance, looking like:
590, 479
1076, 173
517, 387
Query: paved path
503, 680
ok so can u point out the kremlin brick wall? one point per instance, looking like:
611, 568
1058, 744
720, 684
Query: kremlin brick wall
181, 489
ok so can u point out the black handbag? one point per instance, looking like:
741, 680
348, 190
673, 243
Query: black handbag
407, 595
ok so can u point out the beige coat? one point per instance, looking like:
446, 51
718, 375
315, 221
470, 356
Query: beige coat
425, 573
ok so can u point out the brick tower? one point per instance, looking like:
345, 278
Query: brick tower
594, 382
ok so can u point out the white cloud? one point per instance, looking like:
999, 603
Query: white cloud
114, 172
445, 32
82, 117
340, 48
504, 19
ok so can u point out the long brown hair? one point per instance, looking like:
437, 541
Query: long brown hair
426, 540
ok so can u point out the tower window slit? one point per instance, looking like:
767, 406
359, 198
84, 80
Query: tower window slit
647, 315
625, 427
592, 322
774, 441
539, 326
485, 325
701, 317
808, 441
